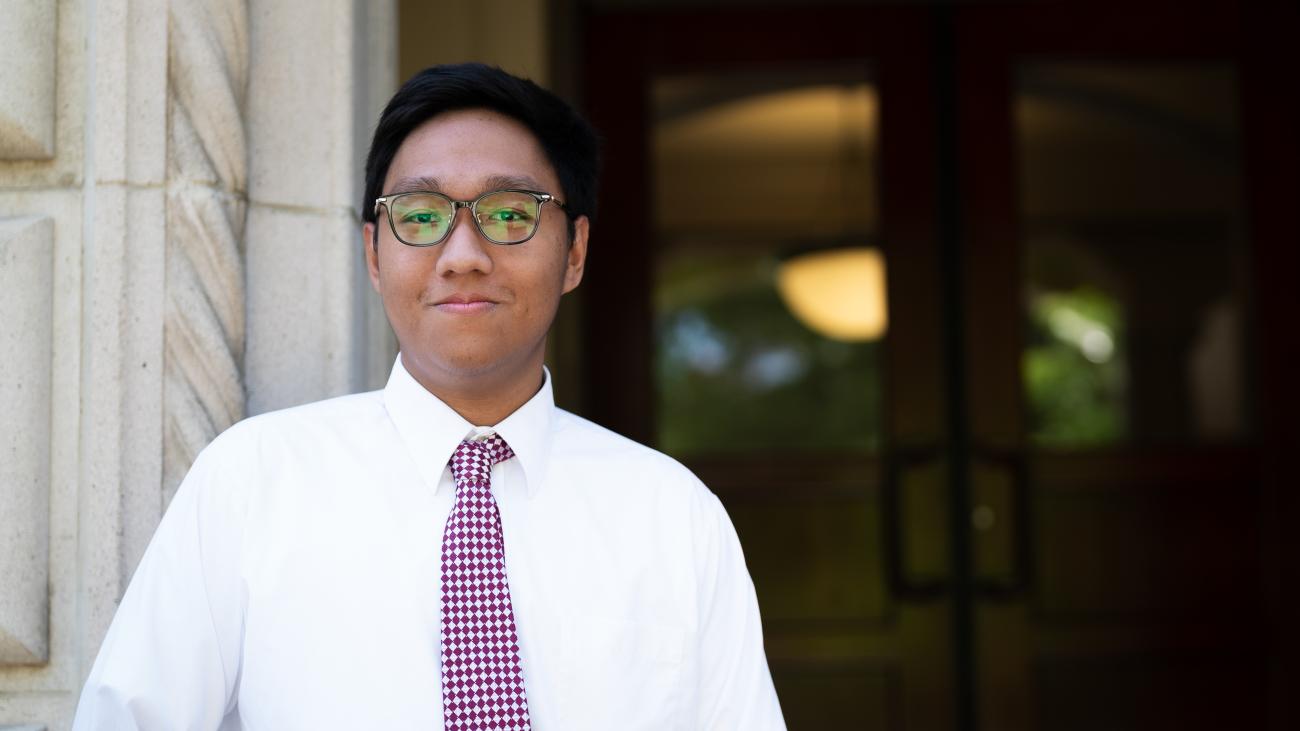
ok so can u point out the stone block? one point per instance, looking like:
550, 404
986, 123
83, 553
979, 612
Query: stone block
72, 70
307, 299
27, 45
302, 90
26, 298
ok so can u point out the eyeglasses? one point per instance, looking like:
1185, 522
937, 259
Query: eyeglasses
424, 218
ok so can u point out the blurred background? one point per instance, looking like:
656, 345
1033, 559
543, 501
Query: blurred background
979, 318
974, 315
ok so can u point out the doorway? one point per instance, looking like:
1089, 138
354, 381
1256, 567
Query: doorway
1039, 497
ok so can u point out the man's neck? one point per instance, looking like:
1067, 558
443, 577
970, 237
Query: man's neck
482, 400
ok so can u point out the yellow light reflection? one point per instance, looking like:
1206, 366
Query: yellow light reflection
838, 293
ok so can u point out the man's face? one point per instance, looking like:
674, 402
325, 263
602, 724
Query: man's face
468, 311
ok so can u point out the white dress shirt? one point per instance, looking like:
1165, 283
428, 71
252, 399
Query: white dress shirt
294, 581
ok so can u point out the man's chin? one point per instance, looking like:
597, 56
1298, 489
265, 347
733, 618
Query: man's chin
453, 368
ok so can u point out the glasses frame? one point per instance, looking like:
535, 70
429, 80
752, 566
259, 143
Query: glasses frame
542, 200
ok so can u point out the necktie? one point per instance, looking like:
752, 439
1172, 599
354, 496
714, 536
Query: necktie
482, 678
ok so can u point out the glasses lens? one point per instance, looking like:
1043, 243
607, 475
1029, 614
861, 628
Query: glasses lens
421, 218
507, 217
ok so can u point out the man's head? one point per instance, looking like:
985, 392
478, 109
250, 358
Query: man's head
471, 315
570, 144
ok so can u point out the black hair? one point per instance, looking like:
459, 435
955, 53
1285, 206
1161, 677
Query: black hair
568, 140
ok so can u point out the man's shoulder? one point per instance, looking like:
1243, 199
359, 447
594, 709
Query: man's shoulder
586, 441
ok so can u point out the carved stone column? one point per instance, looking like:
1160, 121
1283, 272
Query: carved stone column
82, 151
143, 255
207, 189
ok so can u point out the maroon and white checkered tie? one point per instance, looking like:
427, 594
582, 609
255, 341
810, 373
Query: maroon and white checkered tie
482, 678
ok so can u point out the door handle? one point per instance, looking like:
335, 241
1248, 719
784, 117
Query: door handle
898, 462
1021, 577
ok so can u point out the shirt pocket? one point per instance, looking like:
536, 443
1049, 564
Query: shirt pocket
621, 674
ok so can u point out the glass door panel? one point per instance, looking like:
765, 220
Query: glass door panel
781, 419
751, 169
1139, 484
744, 160
1134, 289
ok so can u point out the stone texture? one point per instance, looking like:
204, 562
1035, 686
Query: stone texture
26, 294
44, 712
316, 86
66, 167
32, 693
27, 44
34, 712
300, 103
307, 296
129, 111
126, 147
318, 82
122, 258
207, 186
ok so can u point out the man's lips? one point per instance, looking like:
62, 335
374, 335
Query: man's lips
465, 303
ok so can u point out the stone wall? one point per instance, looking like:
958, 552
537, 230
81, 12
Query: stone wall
179, 247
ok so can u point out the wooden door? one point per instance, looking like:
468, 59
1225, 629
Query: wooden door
1121, 548
996, 555
855, 634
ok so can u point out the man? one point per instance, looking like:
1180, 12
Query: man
452, 552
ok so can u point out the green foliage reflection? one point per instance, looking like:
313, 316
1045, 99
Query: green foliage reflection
1075, 368
736, 372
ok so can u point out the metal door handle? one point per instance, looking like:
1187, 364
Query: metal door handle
1023, 559
898, 461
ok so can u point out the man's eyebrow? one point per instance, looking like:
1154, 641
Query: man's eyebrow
407, 185
497, 182
491, 182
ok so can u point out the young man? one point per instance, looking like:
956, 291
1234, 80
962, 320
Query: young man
452, 552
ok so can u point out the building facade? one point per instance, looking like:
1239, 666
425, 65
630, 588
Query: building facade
179, 248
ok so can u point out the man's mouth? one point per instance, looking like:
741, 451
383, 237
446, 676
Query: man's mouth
465, 303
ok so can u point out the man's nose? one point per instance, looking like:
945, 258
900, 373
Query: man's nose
465, 249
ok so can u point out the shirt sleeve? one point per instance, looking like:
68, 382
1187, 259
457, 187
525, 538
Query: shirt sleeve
170, 659
736, 689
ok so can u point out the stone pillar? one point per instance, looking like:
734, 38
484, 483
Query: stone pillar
207, 193
319, 81
178, 247
82, 172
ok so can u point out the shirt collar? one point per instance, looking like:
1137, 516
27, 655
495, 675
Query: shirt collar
432, 430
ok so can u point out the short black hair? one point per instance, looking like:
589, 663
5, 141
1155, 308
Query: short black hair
568, 140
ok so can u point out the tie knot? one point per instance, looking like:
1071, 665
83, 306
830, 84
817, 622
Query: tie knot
472, 461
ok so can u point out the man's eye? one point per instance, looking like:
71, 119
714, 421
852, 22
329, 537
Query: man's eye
508, 215
423, 218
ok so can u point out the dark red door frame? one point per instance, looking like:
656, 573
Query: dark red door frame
1260, 40
624, 53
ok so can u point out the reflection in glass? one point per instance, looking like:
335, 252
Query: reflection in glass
737, 372
749, 167
1073, 370
839, 292
1131, 212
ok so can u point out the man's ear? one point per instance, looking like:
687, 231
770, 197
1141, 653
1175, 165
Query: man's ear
370, 242
577, 258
